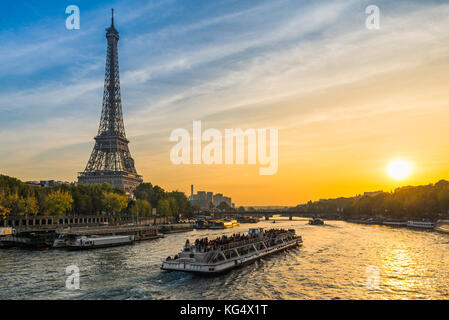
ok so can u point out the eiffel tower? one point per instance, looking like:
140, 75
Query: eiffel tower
111, 160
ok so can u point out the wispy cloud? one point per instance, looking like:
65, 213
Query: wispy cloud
231, 63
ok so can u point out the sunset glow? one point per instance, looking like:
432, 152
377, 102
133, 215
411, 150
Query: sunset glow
399, 169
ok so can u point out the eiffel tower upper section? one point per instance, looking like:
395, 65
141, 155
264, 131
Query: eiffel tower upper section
111, 160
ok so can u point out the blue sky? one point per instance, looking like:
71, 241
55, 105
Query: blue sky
229, 63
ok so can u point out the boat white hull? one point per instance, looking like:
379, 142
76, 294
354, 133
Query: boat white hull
229, 264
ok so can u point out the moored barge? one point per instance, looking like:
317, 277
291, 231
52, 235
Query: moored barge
226, 253
93, 242
420, 224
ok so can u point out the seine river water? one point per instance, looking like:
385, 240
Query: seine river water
337, 261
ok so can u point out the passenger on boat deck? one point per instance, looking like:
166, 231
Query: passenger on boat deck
205, 245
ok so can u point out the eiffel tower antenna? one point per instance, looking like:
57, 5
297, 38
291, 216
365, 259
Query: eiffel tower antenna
111, 159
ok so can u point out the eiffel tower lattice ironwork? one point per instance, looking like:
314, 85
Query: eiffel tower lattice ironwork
111, 160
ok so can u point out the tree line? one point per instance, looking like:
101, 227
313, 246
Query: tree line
18, 198
420, 202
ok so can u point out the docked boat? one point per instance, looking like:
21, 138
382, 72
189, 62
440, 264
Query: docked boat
395, 223
226, 253
7, 231
248, 220
220, 224
6, 237
420, 224
234, 223
316, 222
201, 224
93, 242
442, 226
60, 241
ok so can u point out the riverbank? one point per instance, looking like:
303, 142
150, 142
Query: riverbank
45, 238
440, 225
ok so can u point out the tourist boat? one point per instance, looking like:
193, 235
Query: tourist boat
316, 222
224, 255
420, 224
92, 242
220, 224
442, 226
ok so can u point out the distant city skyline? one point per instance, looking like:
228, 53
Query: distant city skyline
286, 64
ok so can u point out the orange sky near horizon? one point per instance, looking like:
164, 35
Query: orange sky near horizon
346, 104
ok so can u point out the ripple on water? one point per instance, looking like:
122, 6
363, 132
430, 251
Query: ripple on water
331, 264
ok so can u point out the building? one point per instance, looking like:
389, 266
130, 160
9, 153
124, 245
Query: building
48, 183
204, 199
111, 159
372, 194
219, 198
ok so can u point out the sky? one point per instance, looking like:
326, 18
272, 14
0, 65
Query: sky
346, 100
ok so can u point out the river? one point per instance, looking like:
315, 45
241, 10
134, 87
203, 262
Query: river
339, 260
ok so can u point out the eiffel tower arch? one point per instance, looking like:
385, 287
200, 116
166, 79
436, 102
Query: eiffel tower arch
111, 159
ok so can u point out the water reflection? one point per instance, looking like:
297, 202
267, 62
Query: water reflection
332, 264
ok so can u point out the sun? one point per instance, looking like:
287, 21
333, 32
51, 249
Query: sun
399, 169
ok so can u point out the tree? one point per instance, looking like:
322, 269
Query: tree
182, 202
114, 203
143, 208
28, 206
58, 203
163, 208
241, 209
443, 199
223, 206
146, 191
174, 208
3, 209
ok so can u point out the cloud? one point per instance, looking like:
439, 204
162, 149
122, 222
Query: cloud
270, 63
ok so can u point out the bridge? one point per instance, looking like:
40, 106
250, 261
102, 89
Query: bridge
267, 214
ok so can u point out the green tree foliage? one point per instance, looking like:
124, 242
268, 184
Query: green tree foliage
143, 208
153, 195
406, 202
166, 203
4, 210
114, 202
58, 203
18, 198
163, 208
